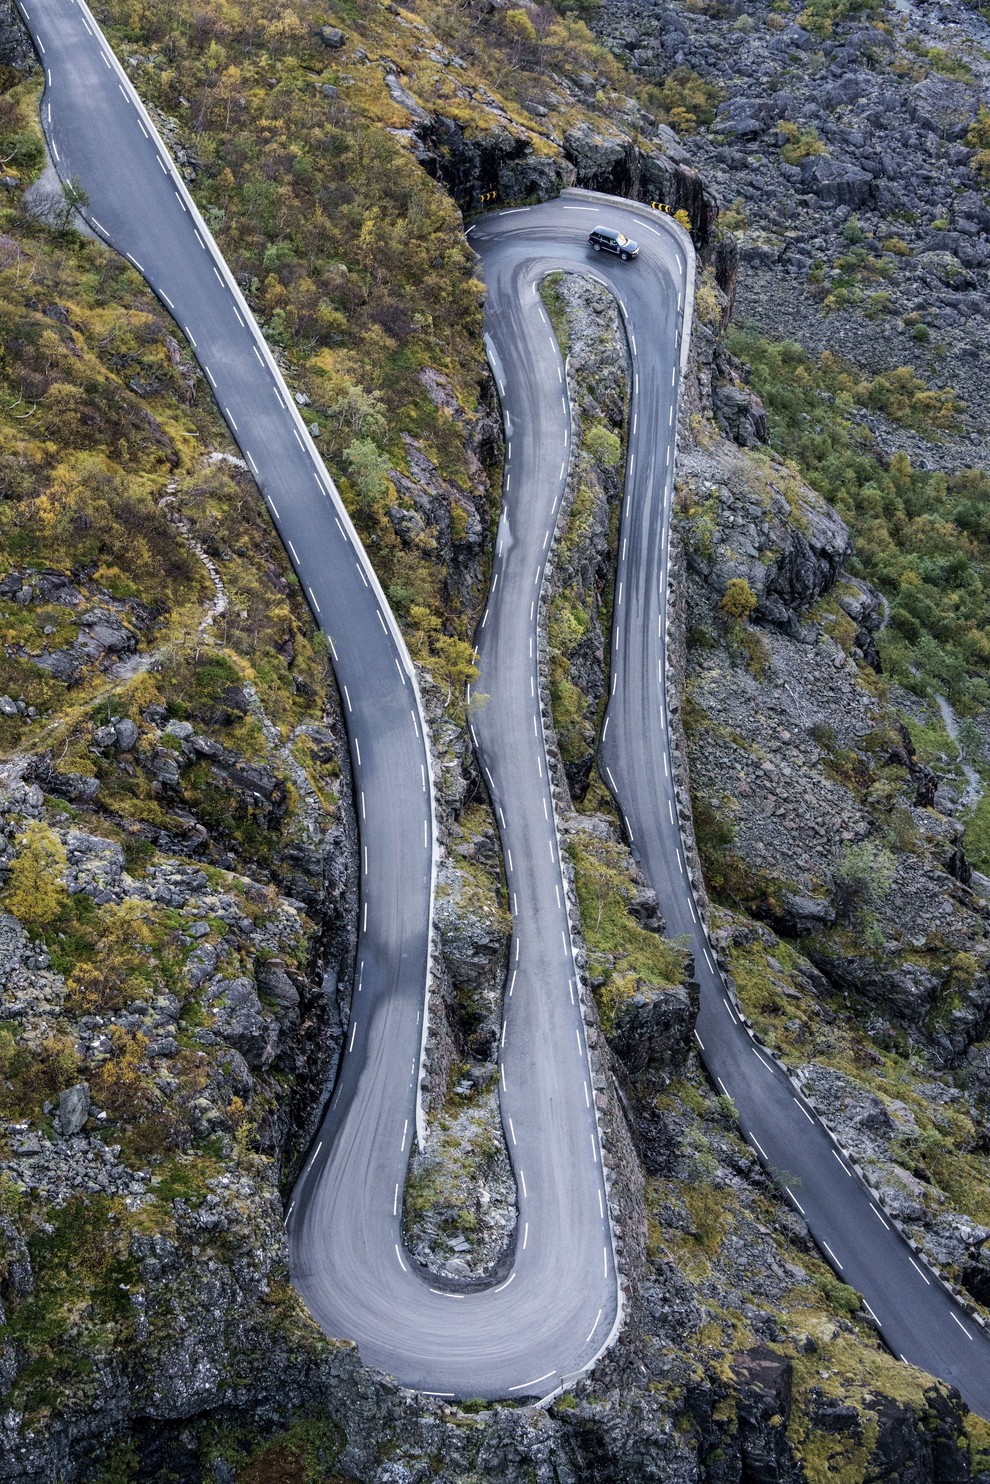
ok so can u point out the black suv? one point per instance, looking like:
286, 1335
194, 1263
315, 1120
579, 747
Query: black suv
606, 239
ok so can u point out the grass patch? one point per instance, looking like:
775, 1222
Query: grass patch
557, 310
976, 838
622, 955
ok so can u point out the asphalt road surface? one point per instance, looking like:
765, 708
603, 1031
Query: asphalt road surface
558, 1305
556, 1308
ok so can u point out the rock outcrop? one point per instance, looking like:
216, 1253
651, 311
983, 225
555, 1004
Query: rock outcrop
579, 611
460, 1199
760, 527
473, 164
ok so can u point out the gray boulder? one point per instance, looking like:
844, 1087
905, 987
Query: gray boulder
847, 89
746, 117
788, 556
274, 983
741, 415
126, 734
856, 1116
836, 181
802, 914
239, 1018
940, 106
653, 1029
405, 99
73, 1108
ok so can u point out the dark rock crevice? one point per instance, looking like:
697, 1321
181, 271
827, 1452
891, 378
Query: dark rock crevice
471, 165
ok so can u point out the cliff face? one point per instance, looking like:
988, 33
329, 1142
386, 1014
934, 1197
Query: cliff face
470, 164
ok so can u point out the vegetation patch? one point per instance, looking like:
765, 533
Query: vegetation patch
304, 1453
976, 839
622, 955
923, 537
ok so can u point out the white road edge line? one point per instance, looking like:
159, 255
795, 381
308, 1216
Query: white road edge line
523, 1385
832, 1256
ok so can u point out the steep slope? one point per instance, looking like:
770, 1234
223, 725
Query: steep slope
725, 1270
817, 817
849, 139
177, 848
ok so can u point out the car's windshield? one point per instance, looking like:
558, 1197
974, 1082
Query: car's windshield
621, 239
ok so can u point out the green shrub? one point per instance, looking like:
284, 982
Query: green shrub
623, 954
36, 891
604, 446
978, 134
822, 16
798, 144
685, 100
862, 877
738, 600
520, 27
305, 1453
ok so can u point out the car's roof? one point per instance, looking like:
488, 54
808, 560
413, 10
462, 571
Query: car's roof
606, 232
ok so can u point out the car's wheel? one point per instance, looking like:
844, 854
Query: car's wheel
624, 256
597, 246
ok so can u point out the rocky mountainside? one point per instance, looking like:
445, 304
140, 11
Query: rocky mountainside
845, 147
177, 862
763, 691
176, 833
853, 920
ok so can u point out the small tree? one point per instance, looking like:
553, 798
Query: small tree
520, 27
423, 628
450, 660
121, 1084
55, 203
453, 664
738, 600
76, 194
358, 412
36, 886
970, 738
368, 469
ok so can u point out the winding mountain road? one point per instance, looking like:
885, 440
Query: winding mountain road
919, 1320
559, 1305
